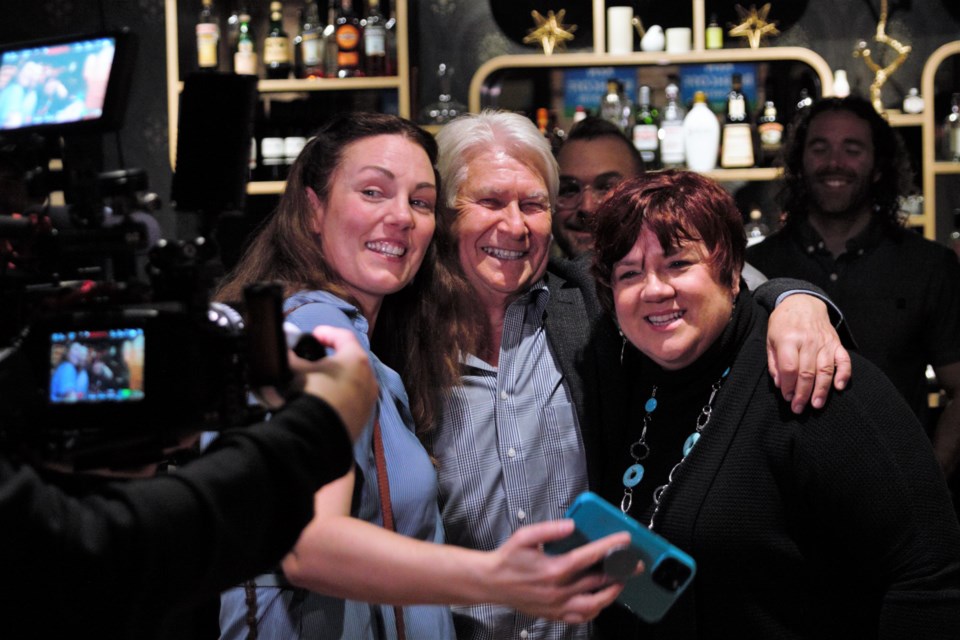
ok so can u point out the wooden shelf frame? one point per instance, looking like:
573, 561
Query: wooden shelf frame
400, 82
931, 166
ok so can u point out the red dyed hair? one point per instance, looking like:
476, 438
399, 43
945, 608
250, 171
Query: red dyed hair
677, 206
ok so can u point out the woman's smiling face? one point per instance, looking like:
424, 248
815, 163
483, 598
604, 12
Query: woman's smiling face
670, 304
378, 220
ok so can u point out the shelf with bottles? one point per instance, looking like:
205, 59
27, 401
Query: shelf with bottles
181, 23
936, 224
544, 78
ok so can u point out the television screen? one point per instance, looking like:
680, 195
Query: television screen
77, 82
97, 366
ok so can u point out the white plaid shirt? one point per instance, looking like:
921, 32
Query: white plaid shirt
510, 454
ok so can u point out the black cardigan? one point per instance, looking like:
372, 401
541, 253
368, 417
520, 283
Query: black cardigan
835, 523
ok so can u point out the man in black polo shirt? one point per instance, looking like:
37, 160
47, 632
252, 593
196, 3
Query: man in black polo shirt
845, 170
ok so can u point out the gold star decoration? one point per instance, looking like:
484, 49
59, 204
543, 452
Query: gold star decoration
754, 25
550, 32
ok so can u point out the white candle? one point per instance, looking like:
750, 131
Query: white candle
619, 29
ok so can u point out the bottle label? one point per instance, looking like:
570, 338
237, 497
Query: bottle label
375, 42
714, 36
671, 144
737, 146
348, 39
208, 37
737, 110
245, 60
271, 151
954, 139
771, 134
276, 50
311, 49
645, 137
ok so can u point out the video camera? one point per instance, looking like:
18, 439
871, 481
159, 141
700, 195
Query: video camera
110, 350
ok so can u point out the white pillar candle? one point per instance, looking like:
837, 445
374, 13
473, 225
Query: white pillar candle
619, 30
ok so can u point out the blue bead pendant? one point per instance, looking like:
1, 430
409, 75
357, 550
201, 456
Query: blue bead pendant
650, 405
691, 440
633, 475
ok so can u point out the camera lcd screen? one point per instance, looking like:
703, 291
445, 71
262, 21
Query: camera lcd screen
55, 83
97, 366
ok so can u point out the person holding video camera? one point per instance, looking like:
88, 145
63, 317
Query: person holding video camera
113, 558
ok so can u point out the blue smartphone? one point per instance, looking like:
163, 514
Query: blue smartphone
668, 570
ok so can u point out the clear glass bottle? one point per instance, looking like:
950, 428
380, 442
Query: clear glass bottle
375, 40
756, 229
672, 149
646, 127
308, 47
276, 46
445, 108
615, 107
208, 37
951, 130
737, 144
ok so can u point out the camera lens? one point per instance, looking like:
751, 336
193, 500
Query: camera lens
671, 574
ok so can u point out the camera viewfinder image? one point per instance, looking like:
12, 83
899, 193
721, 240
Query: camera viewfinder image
97, 366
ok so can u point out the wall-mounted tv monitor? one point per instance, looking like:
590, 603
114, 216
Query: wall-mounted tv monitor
67, 84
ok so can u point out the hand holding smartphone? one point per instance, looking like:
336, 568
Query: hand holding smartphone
668, 570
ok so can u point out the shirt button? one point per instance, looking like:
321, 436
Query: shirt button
511, 453
811, 249
521, 514
503, 395
524, 634
833, 277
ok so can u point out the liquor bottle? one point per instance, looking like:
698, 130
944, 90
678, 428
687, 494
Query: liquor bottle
445, 108
804, 101
580, 113
841, 85
737, 144
951, 130
375, 41
701, 135
615, 107
292, 146
391, 28
756, 230
276, 46
349, 37
270, 165
955, 234
330, 49
245, 57
646, 128
543, 121
714, 33
233, 29
208, 38
770, 132
672, 149
308, 44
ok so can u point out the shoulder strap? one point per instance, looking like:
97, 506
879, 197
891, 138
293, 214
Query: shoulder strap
383, 483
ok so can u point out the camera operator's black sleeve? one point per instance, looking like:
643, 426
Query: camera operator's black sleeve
111, 558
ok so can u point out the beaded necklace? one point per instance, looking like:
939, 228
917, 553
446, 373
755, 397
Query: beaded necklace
640, 450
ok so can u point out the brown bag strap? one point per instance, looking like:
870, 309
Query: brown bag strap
383, 482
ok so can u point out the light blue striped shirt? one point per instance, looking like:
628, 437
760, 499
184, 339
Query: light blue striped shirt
286, 613
510, 454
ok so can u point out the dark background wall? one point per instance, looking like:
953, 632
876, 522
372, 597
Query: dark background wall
464, 34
